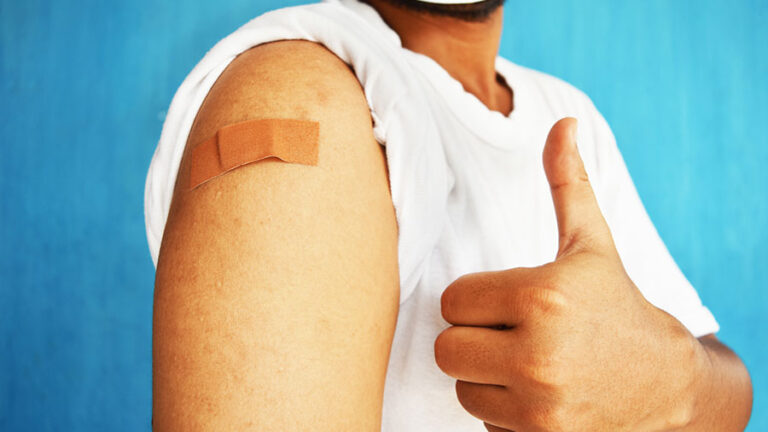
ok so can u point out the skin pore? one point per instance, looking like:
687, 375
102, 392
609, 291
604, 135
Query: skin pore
463, 39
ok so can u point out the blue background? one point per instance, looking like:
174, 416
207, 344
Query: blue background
85, 86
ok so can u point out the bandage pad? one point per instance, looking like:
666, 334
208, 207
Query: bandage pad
290, 140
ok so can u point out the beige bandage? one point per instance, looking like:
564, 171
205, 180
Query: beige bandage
290, 140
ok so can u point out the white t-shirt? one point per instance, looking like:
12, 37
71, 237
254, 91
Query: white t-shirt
467, 184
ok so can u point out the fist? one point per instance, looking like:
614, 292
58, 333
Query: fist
572, 344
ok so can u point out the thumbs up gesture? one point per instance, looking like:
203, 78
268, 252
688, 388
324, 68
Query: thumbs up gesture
571, 345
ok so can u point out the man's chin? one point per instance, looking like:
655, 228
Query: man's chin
475, 12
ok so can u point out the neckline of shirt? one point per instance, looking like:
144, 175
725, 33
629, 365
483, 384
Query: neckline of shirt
491, 127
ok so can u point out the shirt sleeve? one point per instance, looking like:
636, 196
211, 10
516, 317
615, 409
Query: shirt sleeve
645, 257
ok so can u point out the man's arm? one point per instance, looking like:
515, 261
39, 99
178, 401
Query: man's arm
277, 286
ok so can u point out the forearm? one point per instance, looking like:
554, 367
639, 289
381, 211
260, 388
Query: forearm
724, 396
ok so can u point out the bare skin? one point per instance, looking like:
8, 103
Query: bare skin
276, 292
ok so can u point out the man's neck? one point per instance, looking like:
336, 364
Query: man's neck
467, 50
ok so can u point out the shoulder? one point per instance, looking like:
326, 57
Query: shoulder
289, 79
555, 98
296, 80
560, 97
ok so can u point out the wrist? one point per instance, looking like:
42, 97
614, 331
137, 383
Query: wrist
698, 393
692, 378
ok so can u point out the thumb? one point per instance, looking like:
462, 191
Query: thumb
579, 221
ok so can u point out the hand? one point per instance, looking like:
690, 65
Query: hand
571, 345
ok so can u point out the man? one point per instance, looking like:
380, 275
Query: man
291, 287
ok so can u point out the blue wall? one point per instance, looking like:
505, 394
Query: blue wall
84, 88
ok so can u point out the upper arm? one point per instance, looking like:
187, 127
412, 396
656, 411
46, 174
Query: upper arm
276, 291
